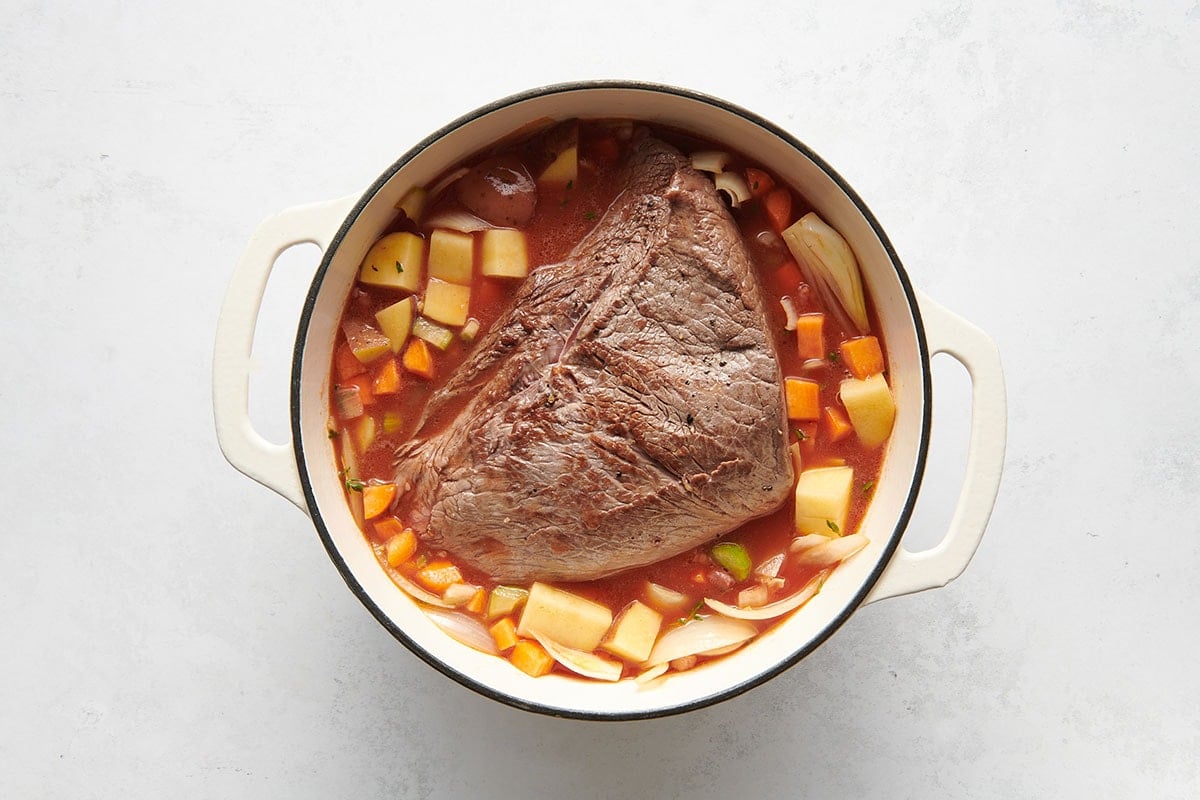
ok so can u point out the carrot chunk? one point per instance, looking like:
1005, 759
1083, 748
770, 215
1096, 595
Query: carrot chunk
810, 335
418, 360
505, 633
837, 425
439, 575
759, 182
477, 602
529, 657
361, 382
400, 548
777, 204
387, 528
387, 378
345, 364
862, 356
803, 398
377, 498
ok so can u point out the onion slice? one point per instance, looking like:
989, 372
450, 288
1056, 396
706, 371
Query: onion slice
830, 267
461, 221
700, 636
806, 541
581, 662
463, 628
734, 186
770, 567
446, 181
832, 551
773, 610
657, 671
789, 311
710, 160
414, 591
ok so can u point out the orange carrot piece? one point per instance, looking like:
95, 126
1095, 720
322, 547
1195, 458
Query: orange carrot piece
862, 356
376, 498
438, 575
477, 602
505, 633
777, 204
387, 528
810, 335
417, 358
785, 278
401, 547
529, 657
759, 182
837, 426
345, 365
803, 398
605, 150
387, 378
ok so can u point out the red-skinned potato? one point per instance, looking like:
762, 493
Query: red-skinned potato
500, 191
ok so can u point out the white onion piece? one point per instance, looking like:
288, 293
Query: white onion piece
832, 551
461, 221
581, 662
463, 628
802, 543
710, 160
830, 267
459, 594
813, 363
734, 186
707, 633
658, 670
776, 609
797, 459
414, 591
789, 311
770, 567
446, 181
720, 651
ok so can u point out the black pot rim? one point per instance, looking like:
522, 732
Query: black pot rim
470, 682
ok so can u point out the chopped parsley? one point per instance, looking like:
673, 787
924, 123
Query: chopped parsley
589, 215
834, 356
333, 434
833, 526
693, 614
353, 484
868, 486
571, 184
800, 435
399, 267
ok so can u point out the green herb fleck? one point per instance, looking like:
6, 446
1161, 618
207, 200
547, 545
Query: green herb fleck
833, 526
868, 486
353, 484
399, 267
333, 434
800, 435
693, 614
571, 183
374, 268
589, 215
834, 356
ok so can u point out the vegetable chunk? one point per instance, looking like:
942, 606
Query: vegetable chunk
566, 618
446, 302
823, 500
632, 635
451, 256
504, 254
871, 408
395, 261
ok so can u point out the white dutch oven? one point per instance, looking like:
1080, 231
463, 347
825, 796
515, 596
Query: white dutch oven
914, 328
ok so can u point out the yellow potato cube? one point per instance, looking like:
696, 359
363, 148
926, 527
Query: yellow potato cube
564, 168
451, 256
395, 261
823, 500
504, 254
446, 303
871, 408
568, 619
396, 323
634, 632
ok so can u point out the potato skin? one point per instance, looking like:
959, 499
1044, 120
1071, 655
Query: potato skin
500, 191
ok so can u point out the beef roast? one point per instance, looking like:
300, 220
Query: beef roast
626, 408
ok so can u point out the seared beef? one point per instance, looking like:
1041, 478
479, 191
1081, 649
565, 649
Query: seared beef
626, 408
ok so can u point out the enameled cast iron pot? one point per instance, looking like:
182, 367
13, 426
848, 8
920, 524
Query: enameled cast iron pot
914, 328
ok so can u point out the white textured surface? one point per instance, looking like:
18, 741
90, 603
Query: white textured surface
171, 629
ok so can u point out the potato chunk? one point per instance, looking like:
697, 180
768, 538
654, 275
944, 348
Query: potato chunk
504, 254
446, 302
871, 408
566, 618
632, 635
451, 256
395, 261
396, 322
823, 500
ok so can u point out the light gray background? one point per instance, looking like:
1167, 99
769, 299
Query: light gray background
171, 629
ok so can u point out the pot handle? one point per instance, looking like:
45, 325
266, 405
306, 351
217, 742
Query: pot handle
910, 572
272, 465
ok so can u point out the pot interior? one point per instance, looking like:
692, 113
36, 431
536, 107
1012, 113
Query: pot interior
894, 494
